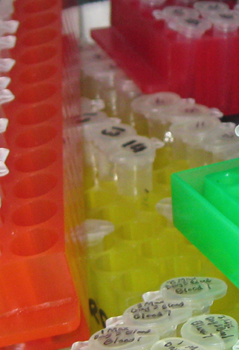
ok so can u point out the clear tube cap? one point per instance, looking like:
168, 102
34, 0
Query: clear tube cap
190, 26
120, 337
194, 130
196, 291
164, 207
158, 314
213, 331
225, 21
95, 230
105, 134
154, 102
177, 344
222, 138
171, 12
207, 8
87, 120
187, 110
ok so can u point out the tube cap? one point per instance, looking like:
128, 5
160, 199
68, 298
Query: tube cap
215, 332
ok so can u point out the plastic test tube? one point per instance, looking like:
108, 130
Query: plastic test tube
188, 32
187, 139
91, 72
89, 124
100, 82
213, 331
162, 316
176, 343
127, 91
133, 157
91, 106
196, 292
220, 142
225, 29
169, 13
225, 22
143, 105
183, 112
89, 54
96, 235
134, 338
207, 8
94, 232
103, 136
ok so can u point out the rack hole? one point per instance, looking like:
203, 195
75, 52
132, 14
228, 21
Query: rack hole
34, 213
36, 114
36, 136
35, 185
37, 160
37, 93
34, 242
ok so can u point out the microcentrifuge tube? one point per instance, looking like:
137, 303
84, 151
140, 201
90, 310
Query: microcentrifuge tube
134, 338
162, 316
213, 331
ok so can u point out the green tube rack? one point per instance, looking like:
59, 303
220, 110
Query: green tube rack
205, 209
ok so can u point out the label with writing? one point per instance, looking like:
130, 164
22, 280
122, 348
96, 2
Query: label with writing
150, 310
184, 285
194, 287
215, 325
176, 344
124, 336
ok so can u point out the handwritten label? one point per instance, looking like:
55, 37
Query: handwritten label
150, 310
220, 324
185, 285
180, 345
117, 336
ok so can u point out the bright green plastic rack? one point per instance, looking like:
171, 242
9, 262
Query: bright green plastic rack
206, 211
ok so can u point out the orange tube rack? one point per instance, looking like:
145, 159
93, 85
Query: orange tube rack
38, 297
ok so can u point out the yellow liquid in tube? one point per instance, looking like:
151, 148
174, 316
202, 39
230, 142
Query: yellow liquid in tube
145, 249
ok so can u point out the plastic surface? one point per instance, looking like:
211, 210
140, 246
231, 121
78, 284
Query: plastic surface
133, 157
176, 343
38, 297
211, 331
170, 53
160, 315
192, 198
126, 337
196, 293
